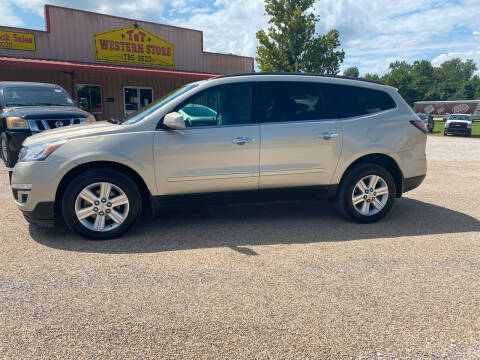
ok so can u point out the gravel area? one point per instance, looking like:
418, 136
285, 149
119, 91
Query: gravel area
286, 280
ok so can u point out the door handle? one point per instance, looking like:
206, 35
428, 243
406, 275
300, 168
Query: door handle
242, 140
328, 135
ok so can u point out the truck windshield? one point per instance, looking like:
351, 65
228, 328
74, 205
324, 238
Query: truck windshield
35, 96
154, 106
460, 117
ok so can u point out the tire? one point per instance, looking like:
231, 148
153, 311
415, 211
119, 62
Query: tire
9, 157
121, 187
349, 189
468, 134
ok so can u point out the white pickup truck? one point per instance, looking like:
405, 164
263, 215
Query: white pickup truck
458, 124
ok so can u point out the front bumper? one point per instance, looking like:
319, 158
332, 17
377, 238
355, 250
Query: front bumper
34, 185
457, 131
42, 215
16, 138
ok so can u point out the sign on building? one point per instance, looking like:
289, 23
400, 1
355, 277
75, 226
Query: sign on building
17, 40
133, 45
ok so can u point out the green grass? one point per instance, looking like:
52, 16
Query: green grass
439, 125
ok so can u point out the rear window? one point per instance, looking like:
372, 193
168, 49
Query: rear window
357, 101
289, 101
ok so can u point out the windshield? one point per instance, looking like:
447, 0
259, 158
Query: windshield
459, 117
154, 106
33, 96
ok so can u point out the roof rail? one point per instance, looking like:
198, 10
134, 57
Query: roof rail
297, 73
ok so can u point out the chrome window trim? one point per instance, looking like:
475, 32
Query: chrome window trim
209, 127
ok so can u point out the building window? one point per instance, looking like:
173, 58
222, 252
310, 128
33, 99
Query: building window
93, 96
136, 98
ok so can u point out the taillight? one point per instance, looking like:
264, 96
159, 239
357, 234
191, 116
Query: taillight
420, 125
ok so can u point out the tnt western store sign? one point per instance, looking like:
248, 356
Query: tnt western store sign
133, 45
117, 64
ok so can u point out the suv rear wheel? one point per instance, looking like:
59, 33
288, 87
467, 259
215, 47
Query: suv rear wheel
366, 194
101, 204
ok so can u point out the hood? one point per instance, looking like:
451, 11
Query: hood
46, 112
73, 132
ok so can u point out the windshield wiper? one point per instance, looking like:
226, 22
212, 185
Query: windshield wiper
114, 121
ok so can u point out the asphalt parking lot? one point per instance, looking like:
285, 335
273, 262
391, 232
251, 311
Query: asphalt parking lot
278, 280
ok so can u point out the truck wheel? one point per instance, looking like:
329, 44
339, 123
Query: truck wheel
366, 193
9, 157
468, 134
101, 204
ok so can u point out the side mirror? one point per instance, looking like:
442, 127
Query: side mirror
174, 120
83, 103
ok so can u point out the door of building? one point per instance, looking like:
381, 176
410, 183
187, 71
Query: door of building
136, 98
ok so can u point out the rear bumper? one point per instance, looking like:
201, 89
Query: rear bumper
412, 183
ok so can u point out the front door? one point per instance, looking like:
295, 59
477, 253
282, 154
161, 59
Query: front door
301, 140
219, 149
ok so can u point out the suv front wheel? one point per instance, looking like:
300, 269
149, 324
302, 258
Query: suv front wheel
9, 157
101, 204
366, 194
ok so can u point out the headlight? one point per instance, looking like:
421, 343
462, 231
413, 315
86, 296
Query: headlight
39, 152
90, 119
447, 124
15, 123
469, 125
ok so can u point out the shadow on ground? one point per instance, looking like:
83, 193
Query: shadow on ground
240, 226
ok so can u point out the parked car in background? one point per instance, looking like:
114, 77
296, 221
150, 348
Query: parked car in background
424, 118
30, 108
458, 124
356, 141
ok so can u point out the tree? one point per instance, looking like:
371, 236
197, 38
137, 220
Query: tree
422, 78
402, 65
468, 91
401, 79
373, 77
291, 43
352, 72
452, 80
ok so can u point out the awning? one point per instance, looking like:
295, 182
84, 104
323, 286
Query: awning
100, 68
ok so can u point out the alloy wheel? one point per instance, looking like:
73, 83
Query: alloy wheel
102, 207
370, 195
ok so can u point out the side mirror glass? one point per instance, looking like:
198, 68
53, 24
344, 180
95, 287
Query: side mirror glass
83, 103
174, 120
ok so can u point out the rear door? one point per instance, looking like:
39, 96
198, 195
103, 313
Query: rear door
301, 139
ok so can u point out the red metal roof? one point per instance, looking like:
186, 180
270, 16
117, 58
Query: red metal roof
56, 65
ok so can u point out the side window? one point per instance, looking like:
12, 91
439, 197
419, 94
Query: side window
219, 106
289, 101
357, 101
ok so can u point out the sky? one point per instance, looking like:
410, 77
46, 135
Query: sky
373, 33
